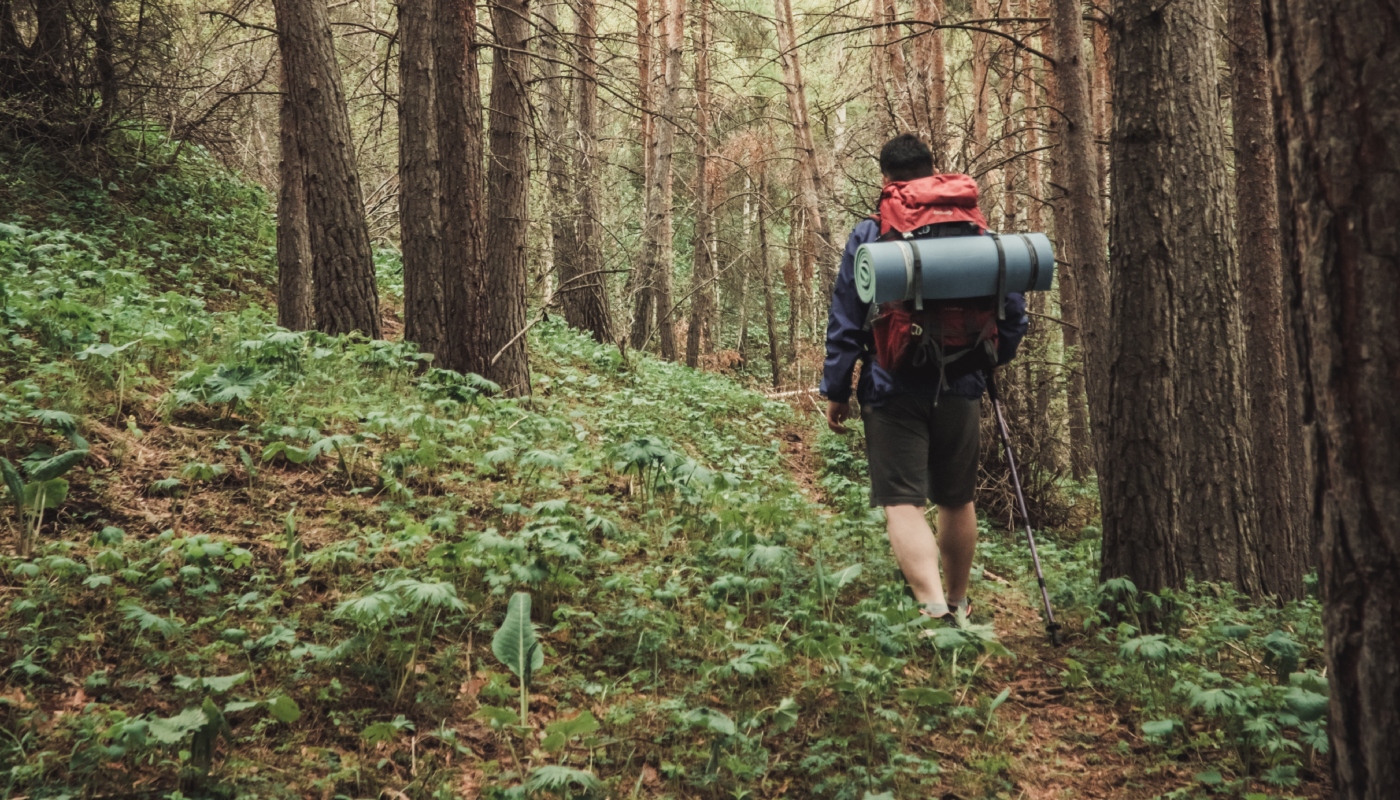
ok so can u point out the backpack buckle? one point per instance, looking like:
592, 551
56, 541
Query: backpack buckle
915, 329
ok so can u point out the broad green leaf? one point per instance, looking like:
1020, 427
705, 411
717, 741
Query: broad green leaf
173, 730
925, 697
241, 705
14, 483
710, 719
844, 577
284, 709
496, 716
1001, 698
553, 743
555, 779
51, 468
578, 726
379, 732
54, 491
1306, 705
785, 715
1159, 728
515, 644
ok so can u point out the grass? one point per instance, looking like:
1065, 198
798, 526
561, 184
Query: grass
283, 561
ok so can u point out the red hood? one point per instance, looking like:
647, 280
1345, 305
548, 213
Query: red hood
910, 205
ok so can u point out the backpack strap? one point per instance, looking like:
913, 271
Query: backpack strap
1001, 276
918, 277
1035, 260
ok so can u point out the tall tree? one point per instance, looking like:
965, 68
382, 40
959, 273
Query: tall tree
765, 267
981, 97
342, 261
503, 323
1272, 390
1084, 283
457, 98
562, 201
639, 282
585, 294
698, 333
1339, 72
663, 176
931, 95
296, 308
424, 290
1177, 478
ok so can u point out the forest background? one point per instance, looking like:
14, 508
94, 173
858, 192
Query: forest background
1197, 402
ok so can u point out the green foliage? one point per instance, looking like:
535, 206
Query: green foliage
516, 645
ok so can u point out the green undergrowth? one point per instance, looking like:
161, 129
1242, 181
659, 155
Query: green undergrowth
249, 562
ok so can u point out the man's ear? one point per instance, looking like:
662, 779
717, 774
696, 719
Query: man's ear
885, 179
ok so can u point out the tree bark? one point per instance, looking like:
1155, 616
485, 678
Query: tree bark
424, 290
585, 295
1271, 389
981, 63
342, 261
931, 102
295, 290
811, 184
563, 210
1339, 75
1177, 480
664, 267
507, 212
457, 97
765, 267
698, 335
639, 283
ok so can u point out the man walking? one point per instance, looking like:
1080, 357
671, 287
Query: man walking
921, 426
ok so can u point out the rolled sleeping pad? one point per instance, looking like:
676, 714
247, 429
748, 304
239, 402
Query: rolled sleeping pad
953, 266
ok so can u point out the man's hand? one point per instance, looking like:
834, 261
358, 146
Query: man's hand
837, 413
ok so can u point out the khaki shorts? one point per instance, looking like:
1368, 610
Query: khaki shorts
921, 451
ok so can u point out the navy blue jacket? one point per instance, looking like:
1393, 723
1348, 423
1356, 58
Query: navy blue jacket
848, 341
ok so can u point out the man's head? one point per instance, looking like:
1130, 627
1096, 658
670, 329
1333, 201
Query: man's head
905, 158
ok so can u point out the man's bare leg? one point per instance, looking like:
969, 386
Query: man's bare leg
957, 540
917, 551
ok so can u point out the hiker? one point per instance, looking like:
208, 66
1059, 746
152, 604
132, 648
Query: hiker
921, 420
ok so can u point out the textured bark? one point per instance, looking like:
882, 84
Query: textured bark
1177, 478
1338, 69
342, 261
1085, 284
507, 207
702, 308
296, 308
457, 97
1102, 96
930, 101
891, 38
1272, 391
811, 184
585, 295
640, 281
562, 200
981, 63
424, 290
765, 267
664, 268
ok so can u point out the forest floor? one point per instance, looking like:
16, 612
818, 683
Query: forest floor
274, 564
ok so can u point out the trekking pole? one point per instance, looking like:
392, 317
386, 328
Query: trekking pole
1051, 626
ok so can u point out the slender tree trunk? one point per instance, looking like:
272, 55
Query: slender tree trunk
424, 290
981, 63
342, 260
1339, 73
931, 95
663, 267
1101, 94
563, 210
641, 283
295, 292
508, 213
1178, 474
459, 132
1271, 390
765, 268
698, 335
585, 295
810, 177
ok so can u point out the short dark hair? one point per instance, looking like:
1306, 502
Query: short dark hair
906, 157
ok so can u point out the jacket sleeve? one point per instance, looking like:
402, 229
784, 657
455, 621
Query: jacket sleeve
1012, 329
847, 340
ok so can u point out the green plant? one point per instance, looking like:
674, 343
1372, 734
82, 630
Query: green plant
516, 645
44, 489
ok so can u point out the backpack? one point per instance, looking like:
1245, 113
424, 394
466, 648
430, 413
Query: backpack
924, 337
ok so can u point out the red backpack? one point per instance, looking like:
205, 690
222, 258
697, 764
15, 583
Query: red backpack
949, 338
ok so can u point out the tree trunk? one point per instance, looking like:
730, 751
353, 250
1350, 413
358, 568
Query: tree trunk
810, 177
507, 212
665, 157
1102, 96
585, 295
1177, 479
765, 267
458, 105
640, 282
1271, 390
1339, 72
295, 292
931, 102
342, 260
563, 211
424, 292
698, 336
981, 63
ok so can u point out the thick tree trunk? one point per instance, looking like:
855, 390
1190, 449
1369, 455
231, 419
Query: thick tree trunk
296, 308
424, 291
458, 112
343, 262
562, 205
1339, 71
811, 185
698, 335
507, 211
1271, 389
585, 295
1177, 478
